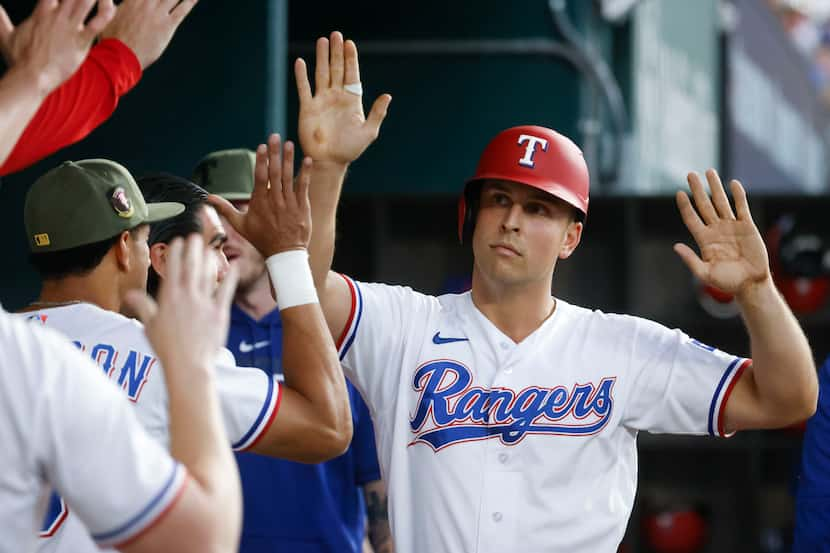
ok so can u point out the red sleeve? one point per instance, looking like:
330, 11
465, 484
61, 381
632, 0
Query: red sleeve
79, 105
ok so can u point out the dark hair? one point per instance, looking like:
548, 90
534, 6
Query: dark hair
164, 187
78, 261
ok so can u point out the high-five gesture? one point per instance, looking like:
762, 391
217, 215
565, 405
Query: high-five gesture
187, 311
147, 26
54, 40
188, 307
732, 252
332, 125
279, 216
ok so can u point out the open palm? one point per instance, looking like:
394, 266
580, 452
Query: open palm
332, 126
732, 252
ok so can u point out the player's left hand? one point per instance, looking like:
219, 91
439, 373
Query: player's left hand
332, 125
732, 253
188, 310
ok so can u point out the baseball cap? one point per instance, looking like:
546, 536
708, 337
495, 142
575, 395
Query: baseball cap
82, 202
227, 173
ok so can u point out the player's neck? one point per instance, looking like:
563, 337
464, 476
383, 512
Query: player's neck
516, 311
88, 288
256, 300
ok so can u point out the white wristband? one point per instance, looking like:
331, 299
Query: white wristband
291, 276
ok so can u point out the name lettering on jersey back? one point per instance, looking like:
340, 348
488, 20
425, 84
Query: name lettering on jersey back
130, 371
451, 410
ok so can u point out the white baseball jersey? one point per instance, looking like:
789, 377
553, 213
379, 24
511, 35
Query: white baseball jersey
63, 425
249, 398
491, 446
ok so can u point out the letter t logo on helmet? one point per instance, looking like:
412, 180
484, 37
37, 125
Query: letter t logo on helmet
533, 156
532, 141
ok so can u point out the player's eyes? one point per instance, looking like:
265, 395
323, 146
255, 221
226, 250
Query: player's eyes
536, 209
500, 199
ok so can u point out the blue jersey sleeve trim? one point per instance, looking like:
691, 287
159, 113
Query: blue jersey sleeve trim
150, 514
265, 414
353, 321
721, 395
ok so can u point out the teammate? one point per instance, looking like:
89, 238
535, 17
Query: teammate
50, 46
506, 417
812, 504
63, 424
87, 224
346, 493
135, 38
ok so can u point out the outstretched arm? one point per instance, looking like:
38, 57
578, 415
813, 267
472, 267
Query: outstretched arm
42, 52
133, 40
334, 132
207, 516
780, 387
314, 421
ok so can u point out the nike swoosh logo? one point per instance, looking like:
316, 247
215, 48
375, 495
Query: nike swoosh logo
245, 347
438, 340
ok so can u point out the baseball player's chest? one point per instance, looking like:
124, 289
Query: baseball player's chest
471, 389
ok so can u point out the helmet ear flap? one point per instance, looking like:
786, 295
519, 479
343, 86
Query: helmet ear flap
467, 211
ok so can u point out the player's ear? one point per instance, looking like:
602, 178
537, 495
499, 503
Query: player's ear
123, 251
571, 240
158, 258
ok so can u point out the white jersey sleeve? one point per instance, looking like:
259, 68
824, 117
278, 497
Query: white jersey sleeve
80, 435
385, 323
249, 399
679, 385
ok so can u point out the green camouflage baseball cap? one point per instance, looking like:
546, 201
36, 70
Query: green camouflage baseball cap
82, 202
227, 173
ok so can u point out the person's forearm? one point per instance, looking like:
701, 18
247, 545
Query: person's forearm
782, 364
326, 185
377, 516
198, 440
312, 369
20, 97
77, 107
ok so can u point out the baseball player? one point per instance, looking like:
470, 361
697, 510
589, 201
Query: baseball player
507, 418
812, 506
347, 493
88, 226
62, 423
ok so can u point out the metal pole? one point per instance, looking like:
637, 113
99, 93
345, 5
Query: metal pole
276, 65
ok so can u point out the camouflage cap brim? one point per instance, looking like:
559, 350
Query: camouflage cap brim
160, 211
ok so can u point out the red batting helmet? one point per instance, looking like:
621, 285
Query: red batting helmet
799, 253
531, 155
675, 531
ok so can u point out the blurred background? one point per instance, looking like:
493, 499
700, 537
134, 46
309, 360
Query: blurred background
650, 89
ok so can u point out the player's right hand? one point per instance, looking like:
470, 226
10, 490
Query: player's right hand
189, 323
279, 213
53, 42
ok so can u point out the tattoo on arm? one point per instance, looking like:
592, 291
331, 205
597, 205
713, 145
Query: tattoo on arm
377, 513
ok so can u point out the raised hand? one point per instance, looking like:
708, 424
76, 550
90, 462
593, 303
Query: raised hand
188, 311
279, 214
732, 253
53, 42
332, 125
146, 26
